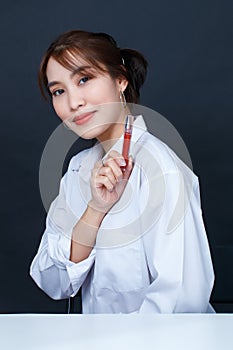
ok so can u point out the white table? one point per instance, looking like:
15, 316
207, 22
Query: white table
116, 332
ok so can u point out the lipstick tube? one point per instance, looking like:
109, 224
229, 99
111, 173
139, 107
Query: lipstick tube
127, 137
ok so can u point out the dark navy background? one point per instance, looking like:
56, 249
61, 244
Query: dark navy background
189, 48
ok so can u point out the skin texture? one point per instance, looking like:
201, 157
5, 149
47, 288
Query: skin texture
73, 95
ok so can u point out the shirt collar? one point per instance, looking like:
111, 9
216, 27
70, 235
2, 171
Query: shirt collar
139, 128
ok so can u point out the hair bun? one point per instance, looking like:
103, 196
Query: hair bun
136, 65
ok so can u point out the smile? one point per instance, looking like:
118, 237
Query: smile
83, 118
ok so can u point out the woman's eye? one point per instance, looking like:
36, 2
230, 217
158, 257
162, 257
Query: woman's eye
83, 80
58, 92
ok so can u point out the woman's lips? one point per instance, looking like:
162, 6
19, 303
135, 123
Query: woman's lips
83, 118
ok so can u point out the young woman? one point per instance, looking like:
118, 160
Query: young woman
128, 231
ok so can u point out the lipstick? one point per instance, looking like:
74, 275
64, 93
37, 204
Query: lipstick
127, 137
83, 118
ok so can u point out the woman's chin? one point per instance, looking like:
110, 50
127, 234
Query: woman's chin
93, 132
86, 133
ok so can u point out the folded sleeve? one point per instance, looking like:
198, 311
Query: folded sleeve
177, 253
51, 268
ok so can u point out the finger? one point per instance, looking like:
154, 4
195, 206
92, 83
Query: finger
115, 160
107, 171
115, 169
104, 181
119, 159
98, 175
128, 169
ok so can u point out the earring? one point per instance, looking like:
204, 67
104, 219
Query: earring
122, 98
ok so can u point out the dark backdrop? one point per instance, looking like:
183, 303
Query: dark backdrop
189, 48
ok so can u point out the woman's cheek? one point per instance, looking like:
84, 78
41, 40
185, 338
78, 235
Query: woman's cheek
58, 109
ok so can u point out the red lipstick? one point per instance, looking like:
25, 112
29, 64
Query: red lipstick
127, 137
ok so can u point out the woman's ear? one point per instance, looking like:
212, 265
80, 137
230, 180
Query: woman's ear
122, 83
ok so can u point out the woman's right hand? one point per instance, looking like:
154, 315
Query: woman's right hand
108, 181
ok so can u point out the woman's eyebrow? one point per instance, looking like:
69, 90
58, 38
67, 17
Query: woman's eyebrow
52, 83
79, 70
73, 73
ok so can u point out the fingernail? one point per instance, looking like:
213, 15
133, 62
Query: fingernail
122, 162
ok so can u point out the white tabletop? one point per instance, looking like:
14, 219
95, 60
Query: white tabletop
120, 332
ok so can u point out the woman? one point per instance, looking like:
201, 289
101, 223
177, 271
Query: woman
128, 231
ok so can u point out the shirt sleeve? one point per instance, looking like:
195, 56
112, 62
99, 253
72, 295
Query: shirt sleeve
177, 253
51, 268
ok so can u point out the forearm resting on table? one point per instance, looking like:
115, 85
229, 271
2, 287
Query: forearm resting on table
84, 234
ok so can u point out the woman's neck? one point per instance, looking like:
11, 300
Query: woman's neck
112, 134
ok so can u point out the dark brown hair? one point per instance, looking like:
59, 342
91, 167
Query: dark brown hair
100, 50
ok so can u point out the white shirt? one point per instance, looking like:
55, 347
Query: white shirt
151, 253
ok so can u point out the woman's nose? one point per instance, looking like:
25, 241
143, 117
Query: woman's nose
76, 100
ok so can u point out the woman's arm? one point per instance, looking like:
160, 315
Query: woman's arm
108, 182
84, 234
66, 253
51, 268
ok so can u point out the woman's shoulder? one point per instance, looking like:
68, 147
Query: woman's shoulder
167, 158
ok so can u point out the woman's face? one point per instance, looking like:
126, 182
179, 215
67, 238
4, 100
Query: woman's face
88, 103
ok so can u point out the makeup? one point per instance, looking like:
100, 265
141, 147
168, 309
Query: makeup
83, 118
127, 137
